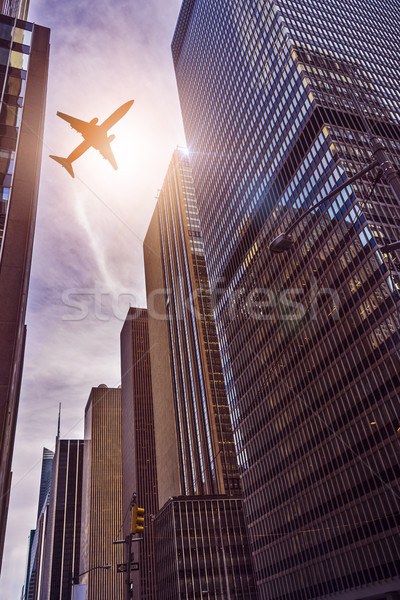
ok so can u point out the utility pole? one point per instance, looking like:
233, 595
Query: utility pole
129, 554
137, 522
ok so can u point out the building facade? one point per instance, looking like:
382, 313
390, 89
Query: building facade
102, 495
203, 458
61, 525
35, 548
23, 74
139, 474
194, 439
36, 536
208, 554
280, 101
15, 8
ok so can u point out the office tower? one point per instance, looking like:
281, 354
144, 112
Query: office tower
45, 477
279, 101
23, 74
15, 8
102, 495
62, 537
139, 475
192, 402
217, 565
196, 460
27, 585
36, 535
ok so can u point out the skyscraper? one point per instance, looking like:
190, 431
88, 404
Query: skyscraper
45, 477
36, 536
280, 101
23, 74
184, 348
15, 8
62, 529
204, 549
102, 495
139, 475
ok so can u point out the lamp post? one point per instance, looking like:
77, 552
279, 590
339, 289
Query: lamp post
284, 241
137, 526
129, 556
76, 579
92, 569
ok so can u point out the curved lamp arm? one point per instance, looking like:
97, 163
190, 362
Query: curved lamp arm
92, 569
284, 242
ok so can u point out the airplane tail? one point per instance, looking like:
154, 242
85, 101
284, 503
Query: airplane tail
65, 163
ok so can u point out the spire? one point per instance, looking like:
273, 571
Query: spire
59, 420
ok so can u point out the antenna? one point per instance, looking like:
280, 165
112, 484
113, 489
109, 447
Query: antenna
59, 420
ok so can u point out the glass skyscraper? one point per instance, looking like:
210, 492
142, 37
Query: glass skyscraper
280, 101
15, 8
206, 458
36, 538
204, 553
62, 525
24, 50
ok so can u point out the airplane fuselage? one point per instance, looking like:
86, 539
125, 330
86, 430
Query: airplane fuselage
96, 136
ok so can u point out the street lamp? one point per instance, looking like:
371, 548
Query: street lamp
75, 580
88, 571
284, 241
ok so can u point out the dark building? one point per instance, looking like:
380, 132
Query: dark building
188, 386
102, 495
24, 49
29, 565
208, 554
45, 477
15, 8
62, 527
139, 475
280, 101
196, 458
36, 535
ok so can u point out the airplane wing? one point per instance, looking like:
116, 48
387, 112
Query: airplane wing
76, 124
107, 153
117, 115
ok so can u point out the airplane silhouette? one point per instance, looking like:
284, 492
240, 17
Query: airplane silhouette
94, 136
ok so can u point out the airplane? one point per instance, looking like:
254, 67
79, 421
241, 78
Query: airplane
94, 136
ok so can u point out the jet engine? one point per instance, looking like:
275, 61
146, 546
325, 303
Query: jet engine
111, 138
94, 121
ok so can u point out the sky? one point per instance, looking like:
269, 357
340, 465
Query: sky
87, 265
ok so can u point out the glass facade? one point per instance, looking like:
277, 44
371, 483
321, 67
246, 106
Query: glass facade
205, 552
15, 46
62, 528
280, 101
208, 463
36, 536
24, 50
15, 8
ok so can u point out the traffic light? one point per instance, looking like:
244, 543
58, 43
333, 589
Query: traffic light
137, 520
